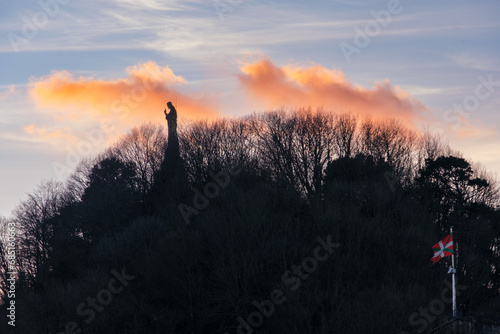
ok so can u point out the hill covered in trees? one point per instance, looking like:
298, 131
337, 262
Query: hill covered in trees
284, 222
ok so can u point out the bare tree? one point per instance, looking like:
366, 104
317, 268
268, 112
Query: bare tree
79, 180
34, 217
274, 132
201, 148
489, 195
144, 146
344, 134
314, 143
216, 145
238, 144
389, 141
296, 147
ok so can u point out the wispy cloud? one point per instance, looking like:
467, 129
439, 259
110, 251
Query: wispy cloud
11, 90
51, 135
475, 61
478, 130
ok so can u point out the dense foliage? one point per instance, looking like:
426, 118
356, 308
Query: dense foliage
261, 193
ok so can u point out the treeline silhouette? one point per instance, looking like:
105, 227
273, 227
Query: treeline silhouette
384, 192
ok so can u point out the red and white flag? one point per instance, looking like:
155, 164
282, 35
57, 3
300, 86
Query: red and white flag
443, 248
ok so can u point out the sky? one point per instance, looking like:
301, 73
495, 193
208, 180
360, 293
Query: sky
75, 75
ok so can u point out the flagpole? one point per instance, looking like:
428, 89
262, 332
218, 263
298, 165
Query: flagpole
454, 294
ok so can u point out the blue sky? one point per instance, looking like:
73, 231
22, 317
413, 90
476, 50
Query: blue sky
438, 53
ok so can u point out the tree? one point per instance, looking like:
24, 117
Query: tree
274, 144
216, 146
391, 142
79, 180
296, 147
110, 201
34, 217
313, 149
144, 146
344, 134
451, 185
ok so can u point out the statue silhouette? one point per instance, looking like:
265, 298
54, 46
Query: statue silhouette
170, 183
173, 140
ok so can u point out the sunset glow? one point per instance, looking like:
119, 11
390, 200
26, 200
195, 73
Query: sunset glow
249, 166
136, 97
319, 87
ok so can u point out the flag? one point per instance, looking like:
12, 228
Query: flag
443, 248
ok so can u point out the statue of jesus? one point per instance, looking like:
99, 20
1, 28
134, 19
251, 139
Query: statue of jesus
171, 117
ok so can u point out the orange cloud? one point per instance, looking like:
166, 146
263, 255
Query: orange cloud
47, 134
139, 97
318, 86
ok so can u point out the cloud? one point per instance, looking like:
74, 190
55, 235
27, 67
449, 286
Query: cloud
475, 61
11, 90
139, 97
62, 135
469, 130
317, 86
142, 94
